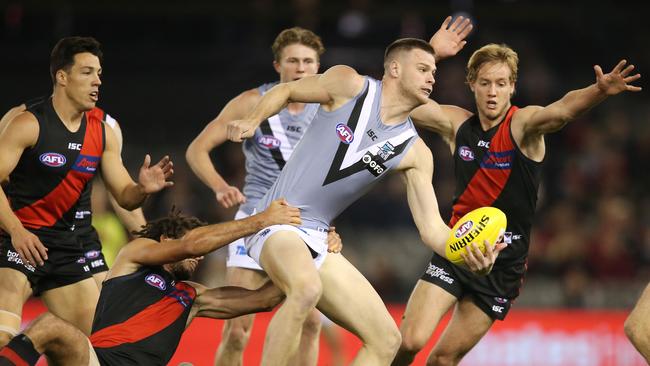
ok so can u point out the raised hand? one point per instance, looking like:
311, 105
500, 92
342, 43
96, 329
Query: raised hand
450, 39
154, 178
229, 196
334, 242
618, 80
239, 130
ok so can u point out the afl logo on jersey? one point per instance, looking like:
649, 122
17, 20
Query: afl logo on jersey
466, 153
269, 141
92, 254
344, 133
156, 281
53, 160
463, 229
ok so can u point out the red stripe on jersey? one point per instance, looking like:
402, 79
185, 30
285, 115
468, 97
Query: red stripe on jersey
153, 319
49, 209
12, 356
486, 184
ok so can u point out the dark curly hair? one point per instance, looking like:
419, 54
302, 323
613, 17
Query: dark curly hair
173, 226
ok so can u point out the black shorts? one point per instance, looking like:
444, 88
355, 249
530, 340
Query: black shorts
92, 248
64, 266
493, 293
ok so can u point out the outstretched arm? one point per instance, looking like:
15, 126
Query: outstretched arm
441, 119
213, 135
337, 85
230, 301
203, 240
538, 121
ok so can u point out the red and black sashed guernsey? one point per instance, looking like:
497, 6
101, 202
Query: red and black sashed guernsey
140, 318
45, 187
490, 170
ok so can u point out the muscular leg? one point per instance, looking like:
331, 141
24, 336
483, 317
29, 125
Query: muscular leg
237, 331
61, 342
350, 301
99, 279
467, 326
287, 261
334, 340
14, 291
74, 303
637, 325
426, 306
307, 354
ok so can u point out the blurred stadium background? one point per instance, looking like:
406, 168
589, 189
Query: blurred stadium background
170, 67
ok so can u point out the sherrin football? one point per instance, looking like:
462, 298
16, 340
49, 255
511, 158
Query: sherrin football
484, 223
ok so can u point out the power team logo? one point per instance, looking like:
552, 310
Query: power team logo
156, 281
345, 133
86, 163
269, 141
466, 153
52, 159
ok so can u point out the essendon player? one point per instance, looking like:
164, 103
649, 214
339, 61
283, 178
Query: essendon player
498, 154
146, 302
50, 153
88, 236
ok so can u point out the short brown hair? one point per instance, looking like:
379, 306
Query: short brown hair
406, 44
492, 53
295, 35
62, 56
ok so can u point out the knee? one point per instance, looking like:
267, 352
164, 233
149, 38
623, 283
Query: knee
387, 342
311, 327
438, 358
236, 334
305, 295
412, 341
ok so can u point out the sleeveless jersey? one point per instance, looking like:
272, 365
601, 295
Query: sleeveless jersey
83, 215
340, 157
490, 170
45, 187
270, 148
140, 318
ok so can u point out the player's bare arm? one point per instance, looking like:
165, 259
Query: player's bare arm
534, 121
417, 170
441, 119
20, 133
200, 241
450, 38
230, 301
213, 135
13, 112
129, 194
131, 219
331, 89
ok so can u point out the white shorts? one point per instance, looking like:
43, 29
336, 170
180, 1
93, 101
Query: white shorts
237, 253
316, 240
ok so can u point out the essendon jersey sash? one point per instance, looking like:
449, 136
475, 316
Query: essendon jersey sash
50, 177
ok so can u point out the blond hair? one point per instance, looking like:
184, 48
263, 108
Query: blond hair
492, 53
297, 35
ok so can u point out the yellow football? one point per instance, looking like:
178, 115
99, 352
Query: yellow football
481, 224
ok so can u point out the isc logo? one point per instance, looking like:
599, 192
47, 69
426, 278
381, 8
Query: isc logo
344, 133
156, 281
53, 160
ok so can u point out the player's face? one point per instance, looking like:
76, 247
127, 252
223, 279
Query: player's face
82, 81
418, 74
493, 90
296, 62
184, 269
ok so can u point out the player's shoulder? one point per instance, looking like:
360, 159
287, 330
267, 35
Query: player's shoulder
24, 123
343, 80
524, 113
